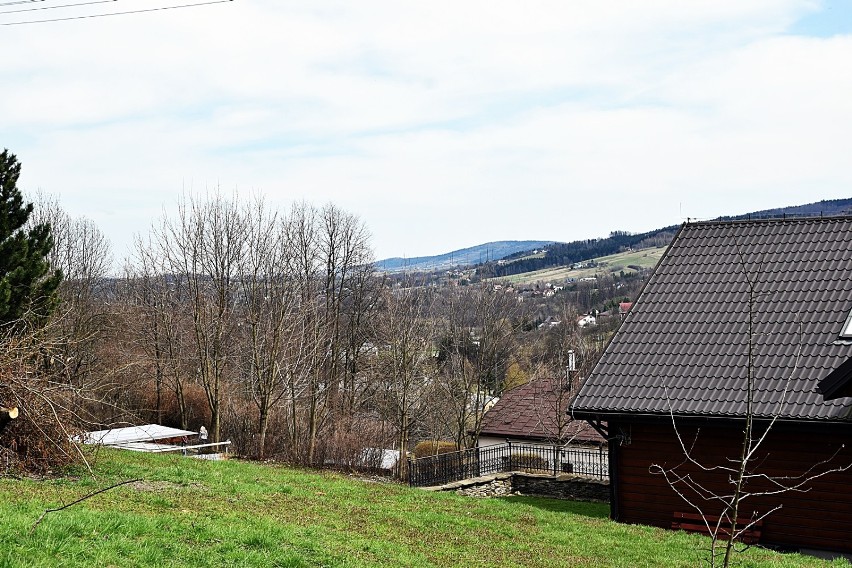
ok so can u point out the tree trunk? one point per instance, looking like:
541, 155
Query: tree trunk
6, 416
261, 443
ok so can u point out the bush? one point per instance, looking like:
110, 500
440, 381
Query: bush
39, 440
434, 448
529, 462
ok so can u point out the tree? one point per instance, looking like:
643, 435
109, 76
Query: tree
198, 252
477, 340
404, 362
332, 267
81, 252
273, 323
155, 306
27, 284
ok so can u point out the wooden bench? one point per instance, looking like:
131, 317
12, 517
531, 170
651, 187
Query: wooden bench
693, 522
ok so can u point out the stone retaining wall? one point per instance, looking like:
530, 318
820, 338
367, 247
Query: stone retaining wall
493, 488
571, 487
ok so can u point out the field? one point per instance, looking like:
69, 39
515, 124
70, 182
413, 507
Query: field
185, 512
646, 258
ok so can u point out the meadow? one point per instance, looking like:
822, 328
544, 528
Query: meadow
644, 258
185, 512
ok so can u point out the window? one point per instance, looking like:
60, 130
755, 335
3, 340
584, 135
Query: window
846, 333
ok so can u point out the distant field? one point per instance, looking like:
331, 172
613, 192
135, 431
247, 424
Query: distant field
646, 258
193, 513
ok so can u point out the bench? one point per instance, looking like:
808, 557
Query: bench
693, 522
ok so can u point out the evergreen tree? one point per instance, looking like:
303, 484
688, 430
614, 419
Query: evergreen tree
27, 283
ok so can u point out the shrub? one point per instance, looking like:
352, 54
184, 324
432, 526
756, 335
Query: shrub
529, 462
434, 448
39, 440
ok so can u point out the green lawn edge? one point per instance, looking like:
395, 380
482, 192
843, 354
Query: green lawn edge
189, 512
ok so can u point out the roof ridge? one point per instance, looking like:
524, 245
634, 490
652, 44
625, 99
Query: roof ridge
786, 218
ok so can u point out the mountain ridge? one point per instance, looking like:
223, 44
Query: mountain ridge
516, 259
477, 254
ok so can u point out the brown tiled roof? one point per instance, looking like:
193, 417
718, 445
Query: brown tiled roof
684, 345
530, 411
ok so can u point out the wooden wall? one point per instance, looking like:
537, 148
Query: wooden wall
820, 517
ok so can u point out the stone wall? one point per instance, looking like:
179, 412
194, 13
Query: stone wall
571, 487
499, 487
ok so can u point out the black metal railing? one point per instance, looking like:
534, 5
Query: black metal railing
475, 462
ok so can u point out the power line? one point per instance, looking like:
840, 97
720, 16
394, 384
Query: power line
19, 2
140, 11
56, 7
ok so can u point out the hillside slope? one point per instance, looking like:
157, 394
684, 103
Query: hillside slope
567, 254
194, 513
463, 257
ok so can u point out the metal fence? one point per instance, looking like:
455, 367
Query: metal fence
475, 462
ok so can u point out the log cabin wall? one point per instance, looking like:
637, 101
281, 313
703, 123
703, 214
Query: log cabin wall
819, 518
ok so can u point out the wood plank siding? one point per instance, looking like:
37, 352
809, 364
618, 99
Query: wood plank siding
820, 517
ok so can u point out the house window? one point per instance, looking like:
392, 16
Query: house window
847, 328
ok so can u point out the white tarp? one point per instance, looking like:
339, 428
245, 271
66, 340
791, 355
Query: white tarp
387, 458
131, 434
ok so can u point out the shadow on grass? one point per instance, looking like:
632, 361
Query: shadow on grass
583, 508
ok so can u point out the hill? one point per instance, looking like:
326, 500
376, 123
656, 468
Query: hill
568, 254
463, 257
503, 259
185, 512
825, 208
623, 262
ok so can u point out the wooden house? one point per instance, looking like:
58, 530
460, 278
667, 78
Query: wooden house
766, 299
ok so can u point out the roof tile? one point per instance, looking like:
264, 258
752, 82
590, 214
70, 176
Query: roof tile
684, 343
536, 410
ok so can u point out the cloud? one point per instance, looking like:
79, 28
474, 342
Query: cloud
442, 124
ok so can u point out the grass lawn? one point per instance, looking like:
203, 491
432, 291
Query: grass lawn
195, 513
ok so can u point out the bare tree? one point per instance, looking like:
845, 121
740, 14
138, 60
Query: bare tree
346, 270
476, 344
264, 311
201, 249
157, 327
405, 362
332, 263
275, 337
83, 254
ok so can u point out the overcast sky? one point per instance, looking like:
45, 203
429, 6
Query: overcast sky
441, 124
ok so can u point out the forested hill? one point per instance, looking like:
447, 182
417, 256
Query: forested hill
564, 254
463, 257
826, 208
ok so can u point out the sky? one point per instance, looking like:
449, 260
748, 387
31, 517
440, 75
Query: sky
441, 124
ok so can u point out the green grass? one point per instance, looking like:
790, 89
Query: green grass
645, 258
196, 513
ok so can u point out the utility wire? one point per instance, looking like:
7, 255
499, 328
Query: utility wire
16, 2
140, 11
19, 2
56, 7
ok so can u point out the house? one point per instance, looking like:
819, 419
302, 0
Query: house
778, 293
535, 413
